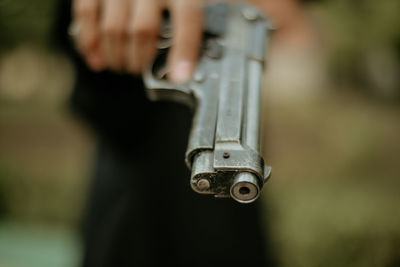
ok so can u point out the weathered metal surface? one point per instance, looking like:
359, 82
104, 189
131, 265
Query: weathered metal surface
224, 145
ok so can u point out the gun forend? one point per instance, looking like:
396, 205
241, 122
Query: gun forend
224, 145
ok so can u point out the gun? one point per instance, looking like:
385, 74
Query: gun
224, 144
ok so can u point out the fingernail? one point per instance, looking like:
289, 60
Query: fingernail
181, 71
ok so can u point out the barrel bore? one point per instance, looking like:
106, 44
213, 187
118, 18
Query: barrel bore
245, 188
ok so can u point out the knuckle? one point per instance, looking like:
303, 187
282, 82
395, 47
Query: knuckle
111, 29
85, 43
85, 10
143, 31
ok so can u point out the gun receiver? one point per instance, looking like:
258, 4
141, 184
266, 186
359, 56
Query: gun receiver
224, 144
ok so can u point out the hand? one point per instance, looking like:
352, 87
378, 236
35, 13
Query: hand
122, 34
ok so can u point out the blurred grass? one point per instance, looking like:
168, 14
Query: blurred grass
334, 193
44, 163
363, 43
26, 21
45, 154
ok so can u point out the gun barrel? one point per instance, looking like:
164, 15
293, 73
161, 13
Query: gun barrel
224, 144
245, 188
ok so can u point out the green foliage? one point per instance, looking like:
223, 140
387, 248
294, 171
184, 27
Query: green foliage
25, 21
334, 192
359, 34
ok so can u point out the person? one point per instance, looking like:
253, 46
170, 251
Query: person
122, 35
141, 210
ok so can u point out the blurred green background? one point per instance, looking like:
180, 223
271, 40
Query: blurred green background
331, 125
45, 154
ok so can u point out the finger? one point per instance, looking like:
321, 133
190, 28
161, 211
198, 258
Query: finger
114, 18
85, 14
187, 21
142, 34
